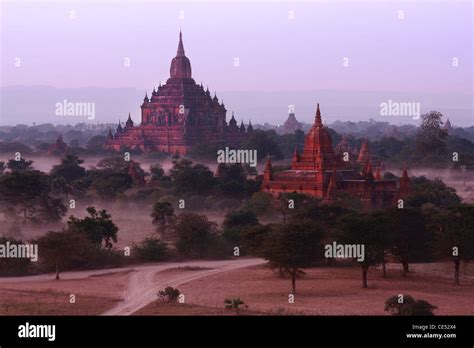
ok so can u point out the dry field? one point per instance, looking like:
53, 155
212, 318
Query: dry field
93, 295
176, 309
323, 291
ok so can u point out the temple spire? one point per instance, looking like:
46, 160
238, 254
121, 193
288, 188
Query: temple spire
268, 172
404, 185
332, 187
250, 127
318, 121
296, 156
368, 170
378, 176
364, 153
405, 173
180, 52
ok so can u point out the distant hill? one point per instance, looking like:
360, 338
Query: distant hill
36, 104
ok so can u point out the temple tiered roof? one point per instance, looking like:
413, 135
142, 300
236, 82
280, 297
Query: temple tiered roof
318, 172
179, 114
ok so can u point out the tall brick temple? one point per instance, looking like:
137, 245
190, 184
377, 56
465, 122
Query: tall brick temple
319, 171
178, 116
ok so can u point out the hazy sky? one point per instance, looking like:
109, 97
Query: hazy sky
276, 53
288, 53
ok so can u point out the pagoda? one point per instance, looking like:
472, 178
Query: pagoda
178, 115
317, 171
59, 148
291, 124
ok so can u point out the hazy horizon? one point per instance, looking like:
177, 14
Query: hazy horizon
350, 57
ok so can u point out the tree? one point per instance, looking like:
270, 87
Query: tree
293, 246
240, 218
96, 143
264, 142
70, 169
260, 203
50, 209
454, 237
59, 249
110, 178
387, 148
187, 177
196, 235
385, 235
19, 166
151, 249
410, 237
408, 306
110, 185
362, 229
28, 194
431, 137
325, 214
346, 200
253, 238
231, 180
98, 227
157, 172
434, 191
163, 215
235, 222
59, 186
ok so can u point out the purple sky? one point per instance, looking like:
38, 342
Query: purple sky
276, 54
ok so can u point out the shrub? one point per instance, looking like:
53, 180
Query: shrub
151, 249
169, 294
260, 203
234, 303
408, 306
104, 258
197, 236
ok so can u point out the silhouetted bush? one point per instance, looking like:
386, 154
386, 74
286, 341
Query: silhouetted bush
151, 249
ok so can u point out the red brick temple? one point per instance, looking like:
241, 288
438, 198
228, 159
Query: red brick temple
179, 115
291, 124
319, 172
59, 148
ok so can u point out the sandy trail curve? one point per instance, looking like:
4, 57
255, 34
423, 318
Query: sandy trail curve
144, 284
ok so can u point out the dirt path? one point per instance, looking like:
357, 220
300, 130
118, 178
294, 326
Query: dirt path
145, 283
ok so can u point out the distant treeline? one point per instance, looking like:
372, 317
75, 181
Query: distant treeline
429, 145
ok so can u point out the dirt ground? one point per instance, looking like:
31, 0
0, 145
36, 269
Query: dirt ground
323, 291
93, 295
177, 309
